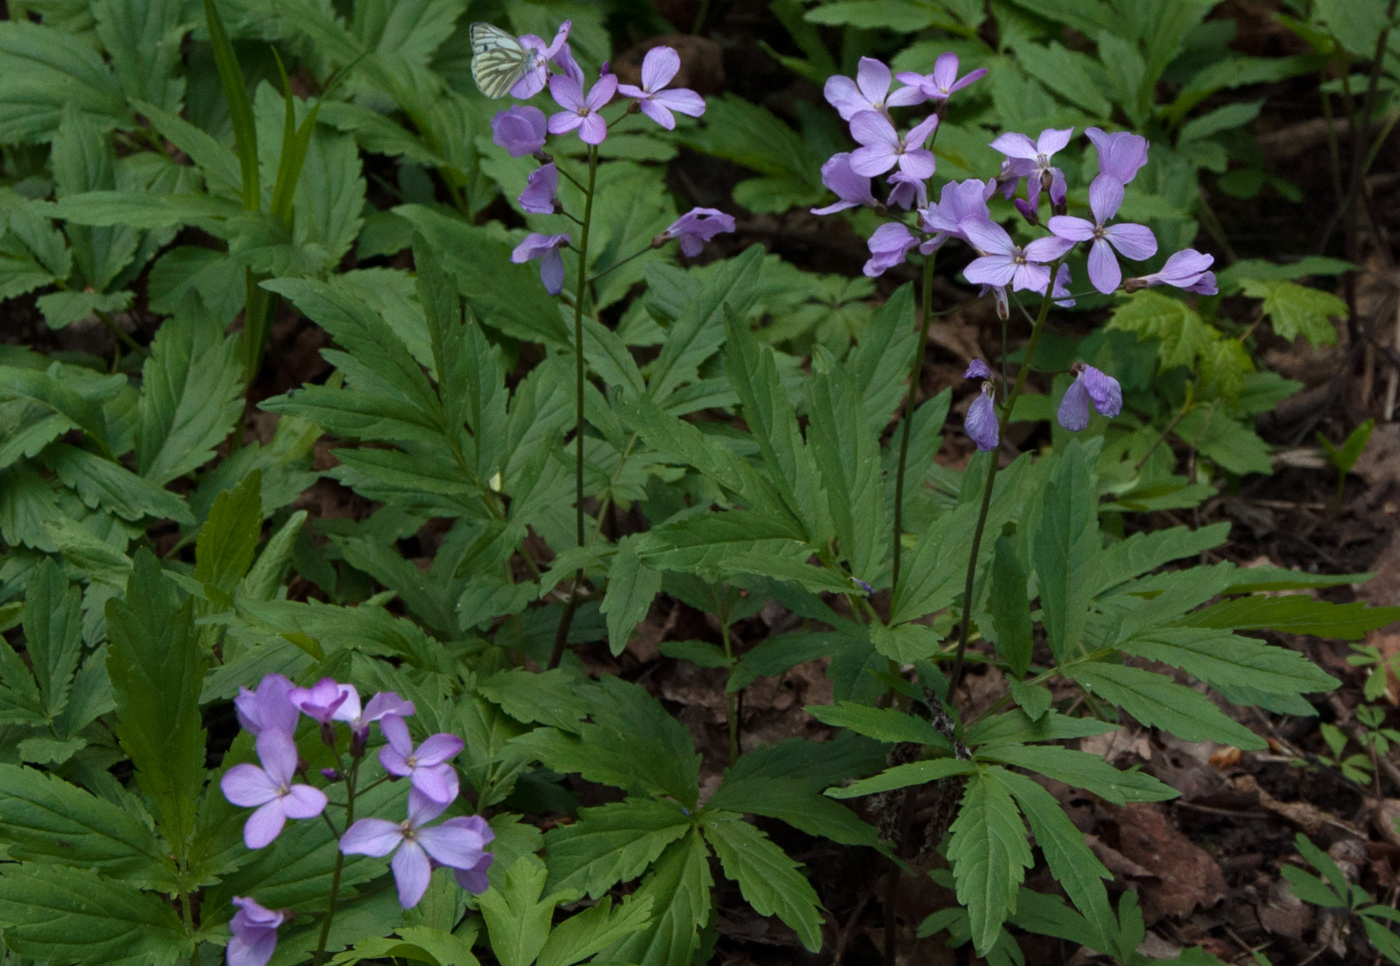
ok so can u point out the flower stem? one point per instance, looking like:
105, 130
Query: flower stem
956, 673
561, 637
616, 265
731, 709
916, 369
320, 955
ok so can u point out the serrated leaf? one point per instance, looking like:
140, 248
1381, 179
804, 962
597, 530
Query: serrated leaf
1157, 701
588, 932
1067, 546
1218, 657
989, 854
679, 888
768, 879
53, 636
612, 843
1009, 608
1296, 310
1151, 315
1081, 770
107, 484
902, 776
516, 917
631, 588
1293, 614
882, 724
42, 71
792, 800
229, 537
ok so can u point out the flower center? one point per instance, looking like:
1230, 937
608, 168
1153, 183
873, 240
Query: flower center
283, 790
409, 833
412, 761
1018, 256
1099, 232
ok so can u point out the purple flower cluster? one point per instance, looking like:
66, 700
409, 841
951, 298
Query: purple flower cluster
271, 713
523, 130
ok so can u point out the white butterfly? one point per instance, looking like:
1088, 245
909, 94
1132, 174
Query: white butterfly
498, 60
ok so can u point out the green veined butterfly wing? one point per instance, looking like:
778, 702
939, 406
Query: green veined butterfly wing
498, 60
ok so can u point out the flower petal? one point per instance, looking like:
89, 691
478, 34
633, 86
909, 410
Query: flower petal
1052, 140
602, 92
1134, 241
1015, 145
873, 159
303, 801
990, 270
253, 948
1068, 226
371, 836
987, 236
452, 843
1103, 268
658, 112
1103, 390
552, 271
873, 79
247, 785
394, 762
1047, 249
683, 100
411, 873
1105, 198
474, 880
981, 423
842, 94
593, 129
870, 127
567, 93
396, 731
438, 783
659, 66
264, 825
1074, 407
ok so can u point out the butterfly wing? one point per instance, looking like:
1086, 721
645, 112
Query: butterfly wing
498, 60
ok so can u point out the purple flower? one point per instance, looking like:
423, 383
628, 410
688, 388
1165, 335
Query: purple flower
908, 192
580, 109
957, 202
457, 843
327, 701
695, 227
870, 91
883, 148
254, 933
852, 190
384, 703
1089, 386
888, 246
546, 249
425, 766
1134, 241
1186, 270
474, 879
981, 422
520, 130
269, 707
540, 53
658, 67
1120, 154
1003, 261
1060, 293
977, 369
270, 790
538, 196
865, 588
1032, 162
944, 80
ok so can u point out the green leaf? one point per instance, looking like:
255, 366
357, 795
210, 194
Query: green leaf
1159, 702
1223, 658
75, 915
699, 653
792, 800
143, 39
679, 890
1067, 546
105, 483
1231, 117
1017, 726
1311, 889
53, 636
1234, 445
1148, 550
1293, 614
904, 15
516, 917
1151, 315
905, 643
240, 108
1081, 770
882, 724
847, 453
48, 820
1345, 457
902, 776
989, 854
588, 932
44, 70
878, 364
191, 396
611, 844
775, 655
1071, 861
631, 588
156, 670
1296, 310
1010, 609
768, 879
1357, 24
1067, 73
230, 535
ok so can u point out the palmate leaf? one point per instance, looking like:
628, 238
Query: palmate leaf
517, 918
631, 588
75, 915
613, 843
44, 70
794, 801
107, 484
679, 889
586, 933
768, 879
1080, 770
1158, 701
989, 854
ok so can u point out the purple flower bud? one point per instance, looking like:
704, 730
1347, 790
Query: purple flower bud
865, 588
889, 244
978, 370
546, 249
1028, 211
254, 933
539, 195
695, 227
981, 422
520, 130
1090, 386
330, 774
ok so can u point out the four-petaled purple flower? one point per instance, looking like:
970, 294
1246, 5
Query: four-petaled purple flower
889, 244
870, 91
1187, 270
1089, 386
269, 707
270, 790
580, 109
1032, 161
852, 190
425, 766
456, 843
538, 198
1120, 154
254, 933
659, 66
944, 80
1134, 241
958, 202
540, 54
383, 704
546, 249
1004, 262
882, 147
520, 130
908, 192
694, 228
327, 701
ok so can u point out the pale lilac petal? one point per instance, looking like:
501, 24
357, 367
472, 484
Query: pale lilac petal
564, 122
303, 801
1015, 145
394, 762
349, 708
438, 783
396, 733
1030, 277
475, 880
987, 236
455, 842
691, 245
1068, 226
1048, 249
977, 369
873, 79
540, 189
560, 35
593, 129
1103, 268
971, 77
247, 786
1104, 391
251, 913
270, 706
906, 97
658, 112
659, 66
552, 271
421, 809
1052, 140
602, 92
264, 825
981, 423
872, 128
1074, 407
990, 270
1134, 241
567, 93
371, 836
873, 159
945, 71
682, 100
320, 701
1105, 198
253, 948
917, 165
842, 94
387, 703
921, 131
411, 873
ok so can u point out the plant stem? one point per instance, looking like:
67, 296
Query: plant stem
339, 867
1002, 422
732, 711
562, 636
1165, 433
916, 369
616, 265
123, 335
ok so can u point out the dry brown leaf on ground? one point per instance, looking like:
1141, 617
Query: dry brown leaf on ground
1187, 878
1309, 818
